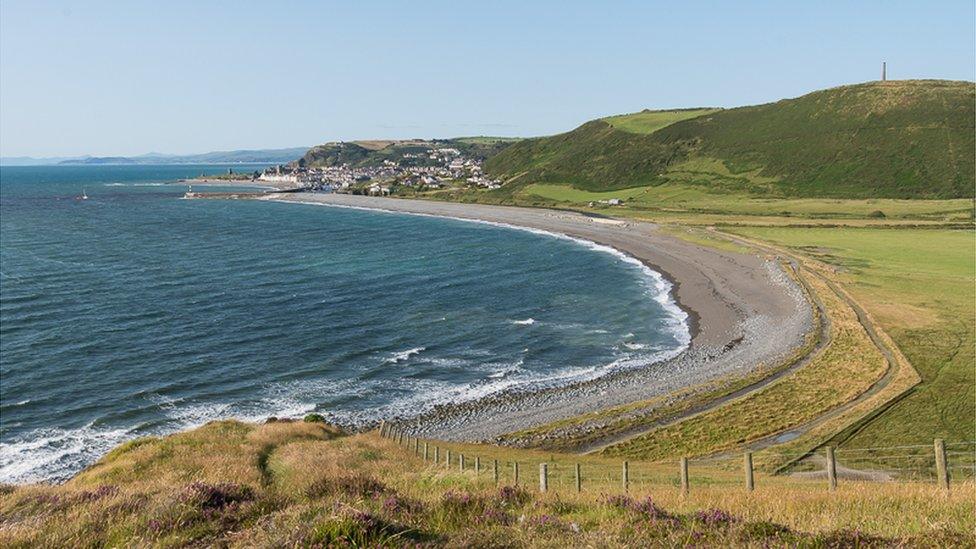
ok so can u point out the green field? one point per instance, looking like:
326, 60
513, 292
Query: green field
651, 121
679, 197
920, 285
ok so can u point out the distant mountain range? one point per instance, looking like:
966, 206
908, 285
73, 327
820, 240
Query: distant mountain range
275, 156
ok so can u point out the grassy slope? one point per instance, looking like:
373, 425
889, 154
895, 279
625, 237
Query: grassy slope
919, 284
301, 484
908, 139
648, 121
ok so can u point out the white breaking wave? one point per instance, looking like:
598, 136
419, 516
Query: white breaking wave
526, 322
404, 355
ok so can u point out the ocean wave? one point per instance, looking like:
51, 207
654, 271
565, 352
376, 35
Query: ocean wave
526, 322
55, 453
403, 356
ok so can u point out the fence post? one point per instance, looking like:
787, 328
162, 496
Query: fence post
461, 462
400, 437
941, 465
515, 473
626, 477
416, 445
382, 427
684, 476
447, 462
831, 469
543, 477
437, 454
477, 465
579, 479
426, 453
747, 464
494, 468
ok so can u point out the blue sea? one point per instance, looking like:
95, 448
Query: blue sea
136, 312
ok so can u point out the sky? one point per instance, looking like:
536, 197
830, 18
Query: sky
126, 78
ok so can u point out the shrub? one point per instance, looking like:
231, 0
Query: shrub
877, 214
359, 485
512, 496
214, 496
314, 418
715, 517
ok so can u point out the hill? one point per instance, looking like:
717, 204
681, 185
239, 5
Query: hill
373, 153
894, 139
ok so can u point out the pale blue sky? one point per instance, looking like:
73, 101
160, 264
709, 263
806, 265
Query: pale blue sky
123, 78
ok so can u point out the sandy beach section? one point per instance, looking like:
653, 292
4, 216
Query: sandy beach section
744, 312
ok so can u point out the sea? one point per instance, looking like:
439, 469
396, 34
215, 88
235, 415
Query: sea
137, 312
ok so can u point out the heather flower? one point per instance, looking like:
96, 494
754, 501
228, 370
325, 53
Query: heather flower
494, 516
618, 501
715, 517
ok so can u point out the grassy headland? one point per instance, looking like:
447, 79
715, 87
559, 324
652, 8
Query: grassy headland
306, 484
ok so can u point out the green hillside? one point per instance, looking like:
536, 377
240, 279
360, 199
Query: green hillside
896, 139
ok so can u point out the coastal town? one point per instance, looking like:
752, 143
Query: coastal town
427, 170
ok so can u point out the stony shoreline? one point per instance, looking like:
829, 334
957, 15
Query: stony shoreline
743, 312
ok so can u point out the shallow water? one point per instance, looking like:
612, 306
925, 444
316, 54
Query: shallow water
135, 312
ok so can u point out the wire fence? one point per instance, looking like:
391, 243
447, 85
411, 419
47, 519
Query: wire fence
939, 463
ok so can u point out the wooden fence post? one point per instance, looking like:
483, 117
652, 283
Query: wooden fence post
515, 474
626, 477
447, 462
461, 462
747, 465
437, 454
382, 427
477, 465
579, 479
941, 464
831, 469
543, 477
684, 476
494, 468
426, 453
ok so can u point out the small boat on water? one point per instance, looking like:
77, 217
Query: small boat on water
84, 195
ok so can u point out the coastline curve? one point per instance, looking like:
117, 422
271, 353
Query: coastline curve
733, 303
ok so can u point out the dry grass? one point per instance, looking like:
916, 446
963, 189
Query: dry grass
211, 487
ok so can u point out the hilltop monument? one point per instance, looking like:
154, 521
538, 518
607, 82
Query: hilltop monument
884, 71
